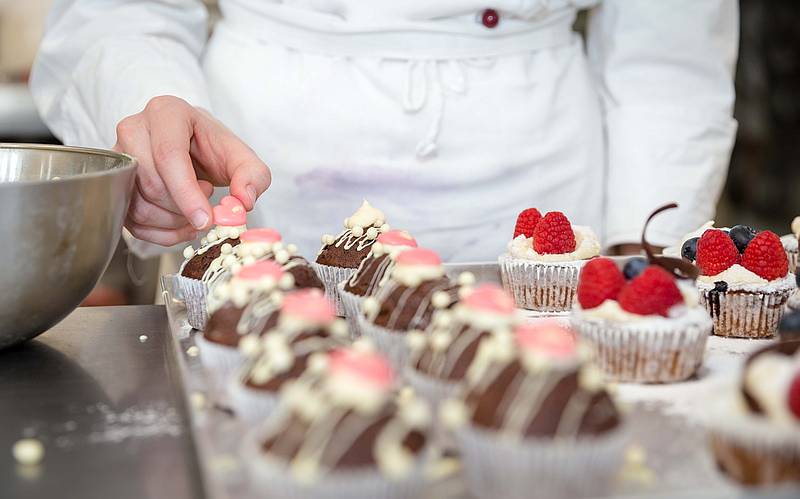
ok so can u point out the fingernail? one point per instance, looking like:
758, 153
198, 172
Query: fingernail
199, 219
251, 191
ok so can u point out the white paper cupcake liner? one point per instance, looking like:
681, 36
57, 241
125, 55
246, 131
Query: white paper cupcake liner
221, 363
536, 467
390, 343
250, 405
745, 314
539, 286
794, 300
351, 303
790, 245
433, 390
792, 255
331, 277
751, 449
641, 353
193, 292
271, 478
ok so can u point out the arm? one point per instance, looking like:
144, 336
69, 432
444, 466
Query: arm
665, 73
127, 73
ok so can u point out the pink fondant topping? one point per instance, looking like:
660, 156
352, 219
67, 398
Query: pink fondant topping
490, 298
230, 215
260, 270
397, 238
230, 201
371, 367
418, 256
260, 236
548, 338
310, 305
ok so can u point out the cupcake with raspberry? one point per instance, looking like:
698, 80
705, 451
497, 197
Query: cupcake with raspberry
439, 357
345, 433
755, 428
540, 269
212, 262
416, 287
533, 415
248, 305
373, 271
306, 326
744, 280
790, 244
341, 255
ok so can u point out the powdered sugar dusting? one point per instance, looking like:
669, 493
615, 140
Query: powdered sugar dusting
135, 422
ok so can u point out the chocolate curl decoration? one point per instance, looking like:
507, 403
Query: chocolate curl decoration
679, 267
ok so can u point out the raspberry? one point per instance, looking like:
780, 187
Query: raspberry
716, 252
766, 257
526, 222
553, 235
600, 280
794, 396
653, 292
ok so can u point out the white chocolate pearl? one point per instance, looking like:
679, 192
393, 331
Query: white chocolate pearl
442, 319
286, 282
203, 242
339, 329
357, 231
226, 249
384, 228
440, 299
416, 413
282, 256
292, 249
347, 222
415, 340
466, 278
464, 291
28, 451
328, 239
363, 345
377, 249
211, 237
317, 363
440, 340
372, 233
239, 295
250, 345
235, 267
248, 260
370, 305
590, 378
276, 246
188, 252
452, 413
229, 260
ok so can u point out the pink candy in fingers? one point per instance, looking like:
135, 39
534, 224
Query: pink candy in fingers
397, 238
418, 256
230, 215
309, 305
265, 235
490, 298
230, 201
260, 270
362, 366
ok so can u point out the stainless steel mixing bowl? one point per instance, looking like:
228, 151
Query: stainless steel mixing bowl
61, 213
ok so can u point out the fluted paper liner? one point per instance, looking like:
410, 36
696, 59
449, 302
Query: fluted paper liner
390, 343
221, 363
351, 303
331, 277
193, 292
496, 467
629, 352
271, 477
745, 314
540, 286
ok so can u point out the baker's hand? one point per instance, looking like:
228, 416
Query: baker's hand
183, 152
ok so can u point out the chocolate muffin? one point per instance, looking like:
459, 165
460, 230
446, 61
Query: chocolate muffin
533, 415
376, 267
406, 302
267, 244
440, 356
346, 432
756, 438
341, 255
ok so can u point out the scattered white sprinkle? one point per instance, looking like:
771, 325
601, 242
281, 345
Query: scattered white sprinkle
198, 400
28, 451
142, 338
192, 351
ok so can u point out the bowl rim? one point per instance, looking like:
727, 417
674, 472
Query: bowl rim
128, 162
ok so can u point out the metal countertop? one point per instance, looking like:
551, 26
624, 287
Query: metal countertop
103, 392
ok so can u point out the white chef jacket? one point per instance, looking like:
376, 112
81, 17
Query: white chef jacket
447, 125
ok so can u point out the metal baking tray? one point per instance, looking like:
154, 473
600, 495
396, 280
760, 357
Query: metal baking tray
668, 455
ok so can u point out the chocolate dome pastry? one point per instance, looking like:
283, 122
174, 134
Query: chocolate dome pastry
212, 262
266, 244
534, 416
340, 256
347, 433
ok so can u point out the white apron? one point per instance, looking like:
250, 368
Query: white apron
450, 149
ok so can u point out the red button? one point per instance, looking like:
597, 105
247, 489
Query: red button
490, 18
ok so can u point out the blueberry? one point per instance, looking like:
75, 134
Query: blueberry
634, 267
741, 236
790, 326
689, 249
